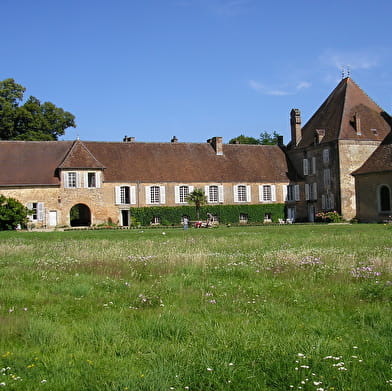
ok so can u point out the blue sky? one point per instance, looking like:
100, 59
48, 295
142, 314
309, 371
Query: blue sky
195, 69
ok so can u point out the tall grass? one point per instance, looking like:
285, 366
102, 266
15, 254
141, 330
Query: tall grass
256, 308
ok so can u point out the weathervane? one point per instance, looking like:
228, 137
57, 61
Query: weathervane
345, 71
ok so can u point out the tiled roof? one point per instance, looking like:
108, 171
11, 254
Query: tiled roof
28, 163
337, 116
80, 157
380, 160
31, 162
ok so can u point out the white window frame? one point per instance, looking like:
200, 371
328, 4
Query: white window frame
38, 210
97, 179
180, 193
161, 195
219, 194
267, 193
73, 183
120, 197
242, 193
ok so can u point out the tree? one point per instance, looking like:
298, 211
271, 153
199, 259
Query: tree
12, 213
197, 198
268, 138
242, 139
32, 120
265, 139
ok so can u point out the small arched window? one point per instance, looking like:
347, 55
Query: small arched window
385, 198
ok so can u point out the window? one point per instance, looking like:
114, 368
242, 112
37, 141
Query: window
240, 193
214, 193
292, 193
71, 180
181, 193
311, 191
124, 195
385, 198
91, 179
184, 192
326, 156
156, 220
243, 218
37, 211
267, 193
327, 201
306, 166
155, 194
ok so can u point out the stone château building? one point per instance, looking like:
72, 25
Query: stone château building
325, 166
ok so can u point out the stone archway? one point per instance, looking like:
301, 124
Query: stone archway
80, 216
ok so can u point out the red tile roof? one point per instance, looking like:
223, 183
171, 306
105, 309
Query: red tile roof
33, 163
336, 116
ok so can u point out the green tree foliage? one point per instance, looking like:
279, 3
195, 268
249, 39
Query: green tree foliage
242, 139
266, 138
32, 120
197, 198
12, 213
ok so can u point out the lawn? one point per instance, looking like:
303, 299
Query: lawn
301, 307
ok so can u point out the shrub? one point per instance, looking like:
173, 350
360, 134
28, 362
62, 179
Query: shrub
12, 213
329, 217
227, 214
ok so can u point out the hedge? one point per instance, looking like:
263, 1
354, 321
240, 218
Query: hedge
227, 214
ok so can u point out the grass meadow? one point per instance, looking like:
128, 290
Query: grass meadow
301, 307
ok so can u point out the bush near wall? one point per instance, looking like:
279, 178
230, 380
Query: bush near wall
227, 214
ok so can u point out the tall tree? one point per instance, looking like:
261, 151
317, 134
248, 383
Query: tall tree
32, 120
242, 139
197, 198
269, 138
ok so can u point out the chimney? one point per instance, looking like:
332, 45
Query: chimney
216, 143
127, 139
174, 139
280, 141
295, 122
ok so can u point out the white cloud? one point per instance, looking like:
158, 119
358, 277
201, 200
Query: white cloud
261, 88
303, 84
365, 59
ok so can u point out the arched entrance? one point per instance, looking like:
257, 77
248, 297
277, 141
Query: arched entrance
80, 216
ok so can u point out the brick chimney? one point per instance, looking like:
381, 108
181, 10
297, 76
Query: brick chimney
174, 139
295, 122
217, 144
127, 139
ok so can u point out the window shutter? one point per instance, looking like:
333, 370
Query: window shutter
306, 166
177, 194
331, 201
235, 190
30, 207
284, 191
248, 194
117, 195
78, 180
307, 191
40, 211
326, 155
98, 179
220, 193
85, 179
65, 179
273, 193
314, 192
314, 165
132, 194
261, 198
162, 194
296, 192
323, 204
191, 188
207, 192
148, 194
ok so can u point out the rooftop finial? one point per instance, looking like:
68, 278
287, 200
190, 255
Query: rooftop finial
345, 71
